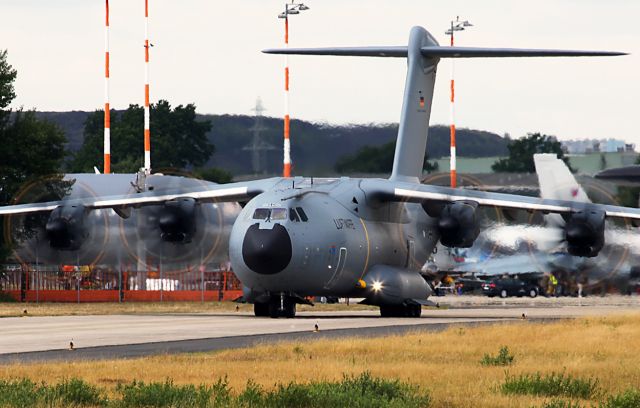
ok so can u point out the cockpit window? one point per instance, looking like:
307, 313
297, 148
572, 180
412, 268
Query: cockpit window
279, 214
293, 215
261, 214
303, 215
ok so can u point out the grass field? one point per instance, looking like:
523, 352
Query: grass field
599, 352
70, 309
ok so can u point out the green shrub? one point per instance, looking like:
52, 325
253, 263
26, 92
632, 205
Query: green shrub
18, 393
167, 394
552, 385
628, 399
26, 393
558, 403
251, 396
73, 392
353, 391
502, 359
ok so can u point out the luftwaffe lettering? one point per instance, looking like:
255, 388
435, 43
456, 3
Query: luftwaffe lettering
344, 223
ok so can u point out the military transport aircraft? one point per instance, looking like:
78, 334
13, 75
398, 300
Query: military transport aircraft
352, 237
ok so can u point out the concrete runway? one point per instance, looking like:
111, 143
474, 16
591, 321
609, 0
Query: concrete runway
118, 336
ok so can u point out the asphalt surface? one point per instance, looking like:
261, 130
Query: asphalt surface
25, 339
212, 344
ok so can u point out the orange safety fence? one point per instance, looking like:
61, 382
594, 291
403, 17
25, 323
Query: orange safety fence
88, 296
71, 296
179, 295
64, 283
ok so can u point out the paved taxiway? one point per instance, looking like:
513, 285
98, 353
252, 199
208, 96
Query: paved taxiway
114, 336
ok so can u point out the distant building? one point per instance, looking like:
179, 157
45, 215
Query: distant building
590, 146
584, 163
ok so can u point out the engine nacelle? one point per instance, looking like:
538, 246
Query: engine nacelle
65, 228
584, 232
177, 220
458, 224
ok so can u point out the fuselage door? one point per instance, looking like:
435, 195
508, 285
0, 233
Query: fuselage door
411, 252
339, 268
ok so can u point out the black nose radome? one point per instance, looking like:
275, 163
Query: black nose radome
266, 251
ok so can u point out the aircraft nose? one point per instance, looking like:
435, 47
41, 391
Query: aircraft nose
267, 251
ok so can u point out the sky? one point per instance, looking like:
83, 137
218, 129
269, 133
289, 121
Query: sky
207, 52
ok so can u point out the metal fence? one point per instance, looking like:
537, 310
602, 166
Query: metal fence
28, 282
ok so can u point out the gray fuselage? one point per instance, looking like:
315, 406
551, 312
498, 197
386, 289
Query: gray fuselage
331, 244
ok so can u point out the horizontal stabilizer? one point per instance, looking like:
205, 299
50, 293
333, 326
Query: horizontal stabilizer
383, 51
441, 52
473, 52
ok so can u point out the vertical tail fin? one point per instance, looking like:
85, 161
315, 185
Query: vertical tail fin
556, 181
423, 54
416, 108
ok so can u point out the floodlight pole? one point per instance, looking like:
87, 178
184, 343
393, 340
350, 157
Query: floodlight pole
456, 25
289, 8
147, 109
107, 108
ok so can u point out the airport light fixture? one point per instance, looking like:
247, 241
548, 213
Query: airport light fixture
292, 8
456, 25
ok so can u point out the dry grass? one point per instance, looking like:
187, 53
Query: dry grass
75, 309
447, 363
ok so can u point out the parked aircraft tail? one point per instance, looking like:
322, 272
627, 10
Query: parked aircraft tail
423, 54
556, 181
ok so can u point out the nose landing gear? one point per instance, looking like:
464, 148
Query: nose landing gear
277, 306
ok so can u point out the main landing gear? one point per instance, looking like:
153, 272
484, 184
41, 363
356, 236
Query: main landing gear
277, 306
405, 310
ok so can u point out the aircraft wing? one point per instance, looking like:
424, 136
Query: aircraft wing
398, 191
242, 191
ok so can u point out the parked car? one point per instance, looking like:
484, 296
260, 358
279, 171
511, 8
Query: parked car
510, 287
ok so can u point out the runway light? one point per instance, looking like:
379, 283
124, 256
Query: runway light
377, 286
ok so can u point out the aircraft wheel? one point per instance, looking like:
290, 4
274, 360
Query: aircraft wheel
400, 311
416, 310
503, 293
411, 310
285, 307
289, 310
261, 309
388, 311
274, 307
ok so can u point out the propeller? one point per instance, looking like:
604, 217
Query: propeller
538, 242
64, 236
180, 235
559, 234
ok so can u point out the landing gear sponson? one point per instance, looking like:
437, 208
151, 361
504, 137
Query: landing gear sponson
285, 306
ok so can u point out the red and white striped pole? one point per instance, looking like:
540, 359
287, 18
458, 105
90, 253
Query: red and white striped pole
147, 130
287, 142
107, 109
453, 122
456, 25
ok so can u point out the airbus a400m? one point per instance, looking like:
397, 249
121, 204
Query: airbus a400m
367, 238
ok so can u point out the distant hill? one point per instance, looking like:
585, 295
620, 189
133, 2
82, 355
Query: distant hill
315, 146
